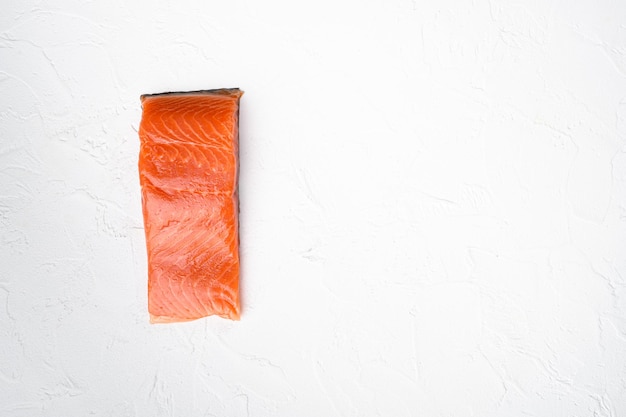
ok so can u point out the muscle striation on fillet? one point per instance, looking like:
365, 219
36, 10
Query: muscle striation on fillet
188, 163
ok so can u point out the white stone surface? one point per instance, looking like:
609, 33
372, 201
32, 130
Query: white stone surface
433, 208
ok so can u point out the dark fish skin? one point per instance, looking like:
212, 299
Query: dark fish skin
216, 91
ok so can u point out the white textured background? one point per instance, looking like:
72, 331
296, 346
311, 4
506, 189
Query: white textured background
433, 209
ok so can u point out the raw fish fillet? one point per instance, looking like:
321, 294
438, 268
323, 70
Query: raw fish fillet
188, 170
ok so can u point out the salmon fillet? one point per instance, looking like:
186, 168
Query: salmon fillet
188, 171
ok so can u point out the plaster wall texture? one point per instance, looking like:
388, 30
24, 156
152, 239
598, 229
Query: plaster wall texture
433, 209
